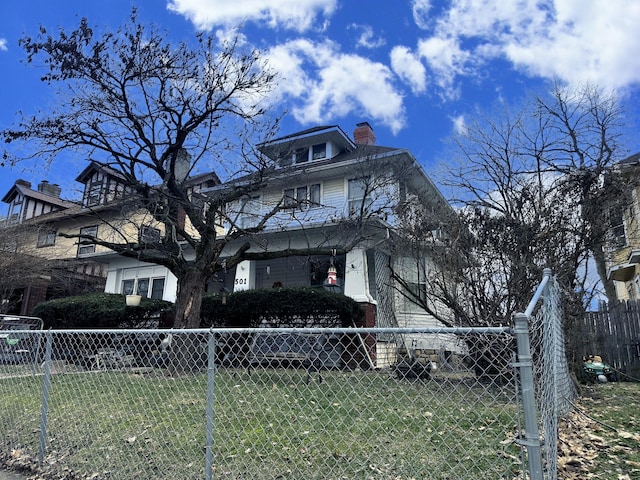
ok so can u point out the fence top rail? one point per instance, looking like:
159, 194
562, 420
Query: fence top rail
317, 330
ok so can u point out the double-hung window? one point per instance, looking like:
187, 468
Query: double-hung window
87, 249
302, 197
359, 196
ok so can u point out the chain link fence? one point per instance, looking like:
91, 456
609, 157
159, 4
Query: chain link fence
286, 403
264, 404
555, 387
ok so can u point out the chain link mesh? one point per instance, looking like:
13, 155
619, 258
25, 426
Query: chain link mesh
262, 404
555, 387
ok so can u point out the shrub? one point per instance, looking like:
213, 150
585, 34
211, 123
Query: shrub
98, 310
285, 307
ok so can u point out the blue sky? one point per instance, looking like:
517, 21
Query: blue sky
414, 69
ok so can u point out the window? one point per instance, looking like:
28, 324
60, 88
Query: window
302, 155
359, 195
87, 249
94, 192
319, 151
250, 211
286, 160
46, 239
149, 234
141, 286
157, 288
302, 197
617, 234
127, 287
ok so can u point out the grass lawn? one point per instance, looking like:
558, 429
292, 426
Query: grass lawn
267, 425
601, 438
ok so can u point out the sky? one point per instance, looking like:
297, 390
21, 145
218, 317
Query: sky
416, 70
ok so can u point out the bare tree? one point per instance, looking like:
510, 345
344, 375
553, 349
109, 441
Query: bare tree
135, 103
531, 193
20, 268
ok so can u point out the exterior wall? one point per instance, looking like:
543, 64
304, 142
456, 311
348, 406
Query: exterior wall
629, 288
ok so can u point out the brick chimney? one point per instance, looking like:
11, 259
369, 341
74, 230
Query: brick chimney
51, 189
24, 183
363, 134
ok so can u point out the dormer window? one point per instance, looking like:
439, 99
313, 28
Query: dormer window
302, 155
286, 160
319, 151
94, 193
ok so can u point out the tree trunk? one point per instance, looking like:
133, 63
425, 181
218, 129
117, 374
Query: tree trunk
185, 356
189, 299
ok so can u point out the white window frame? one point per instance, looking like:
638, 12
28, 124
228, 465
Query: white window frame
319, 151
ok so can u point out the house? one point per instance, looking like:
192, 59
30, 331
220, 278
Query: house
41, 264
623, 241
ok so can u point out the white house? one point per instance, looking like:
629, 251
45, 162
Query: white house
339, 201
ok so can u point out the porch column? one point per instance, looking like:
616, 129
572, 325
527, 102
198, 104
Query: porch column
356, 278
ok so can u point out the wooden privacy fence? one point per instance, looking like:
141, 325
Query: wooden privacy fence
614, 334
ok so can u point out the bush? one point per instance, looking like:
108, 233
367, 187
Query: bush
98, 310
285, 307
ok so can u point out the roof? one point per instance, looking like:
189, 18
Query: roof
289, 143
94, 166
19, 188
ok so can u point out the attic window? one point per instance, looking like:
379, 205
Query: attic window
302, 155
286, 160
94, 193
319, 151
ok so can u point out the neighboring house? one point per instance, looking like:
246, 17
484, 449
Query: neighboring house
51, 266
624, 235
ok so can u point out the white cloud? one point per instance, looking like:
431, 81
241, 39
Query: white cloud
446, 59
459, 124
367, 38
574, 40
3, 45
291, 14
420, 10
323, 83
409, 68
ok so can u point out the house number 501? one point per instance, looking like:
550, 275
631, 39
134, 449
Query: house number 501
241, 281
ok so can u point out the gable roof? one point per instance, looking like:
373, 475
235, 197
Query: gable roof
19, 188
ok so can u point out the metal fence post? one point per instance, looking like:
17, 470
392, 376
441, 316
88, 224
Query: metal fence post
211, 373
45, 398
525, 364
